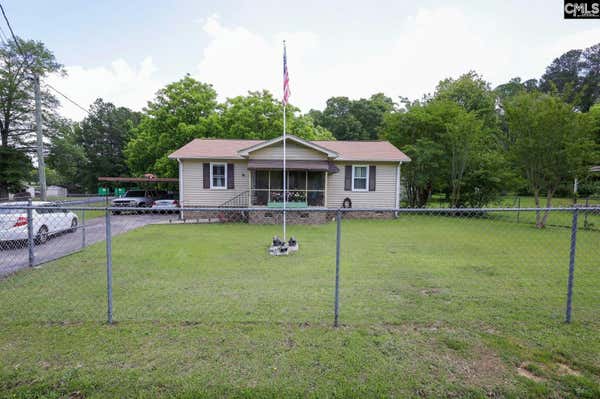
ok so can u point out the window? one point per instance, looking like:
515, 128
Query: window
360, 178
218, 175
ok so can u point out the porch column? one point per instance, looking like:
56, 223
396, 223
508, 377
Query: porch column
249, 188
325, 193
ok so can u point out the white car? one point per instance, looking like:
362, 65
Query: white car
165, 206
46, 222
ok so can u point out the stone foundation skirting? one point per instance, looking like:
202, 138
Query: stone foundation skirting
295, 217
276, 216
222, 216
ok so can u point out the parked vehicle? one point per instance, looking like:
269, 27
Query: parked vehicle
47, 222
166, 204
135, 199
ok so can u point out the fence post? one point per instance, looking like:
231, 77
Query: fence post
571, 265
585, 215
30, 238
109, 267
336, 311
518, 208
83, 229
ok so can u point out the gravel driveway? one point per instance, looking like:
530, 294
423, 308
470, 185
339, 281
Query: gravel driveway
15, 257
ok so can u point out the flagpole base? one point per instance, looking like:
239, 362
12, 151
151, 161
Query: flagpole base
279, 248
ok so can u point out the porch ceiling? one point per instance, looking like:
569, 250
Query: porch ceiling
315, 166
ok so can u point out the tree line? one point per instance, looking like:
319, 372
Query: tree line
467, 140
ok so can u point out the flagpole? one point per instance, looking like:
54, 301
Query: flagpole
284, 156
284, 178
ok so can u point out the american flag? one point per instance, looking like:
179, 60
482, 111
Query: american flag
286, 79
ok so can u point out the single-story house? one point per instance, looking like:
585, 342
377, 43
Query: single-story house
320, 174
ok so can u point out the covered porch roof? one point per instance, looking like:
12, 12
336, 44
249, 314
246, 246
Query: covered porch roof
313, 166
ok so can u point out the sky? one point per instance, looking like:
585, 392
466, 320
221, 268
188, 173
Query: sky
124, 51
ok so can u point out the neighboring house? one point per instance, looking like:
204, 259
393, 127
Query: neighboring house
322, 174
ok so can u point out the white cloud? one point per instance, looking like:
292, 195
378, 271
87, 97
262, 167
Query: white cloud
429, 46
409, 60
120, 83
237, 60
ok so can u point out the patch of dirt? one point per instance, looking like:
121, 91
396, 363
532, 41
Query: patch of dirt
487, 368
563, 369
523, 372
482, 368
431, 291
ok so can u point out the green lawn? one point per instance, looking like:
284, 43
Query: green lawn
591, 221
430, 307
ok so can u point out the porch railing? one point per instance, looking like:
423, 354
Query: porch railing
239, 201
295, 198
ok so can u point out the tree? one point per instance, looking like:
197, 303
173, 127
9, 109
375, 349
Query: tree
575, 76
417, 132
14, 170
471, 92
103, 136
188, 109
67, 158
337, 117
259, 116
464, 139
594, 120
180, 112
16, 90
354, 119
450, 151
552, 144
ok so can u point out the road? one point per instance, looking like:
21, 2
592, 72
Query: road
15, 256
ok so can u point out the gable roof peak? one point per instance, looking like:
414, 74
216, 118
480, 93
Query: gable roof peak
289, 137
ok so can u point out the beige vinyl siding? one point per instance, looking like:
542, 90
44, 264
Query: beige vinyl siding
195, 195
293, 152
384, 195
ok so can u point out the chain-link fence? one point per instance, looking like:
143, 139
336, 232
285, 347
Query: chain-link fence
352, 266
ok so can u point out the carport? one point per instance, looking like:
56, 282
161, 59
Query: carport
149, 181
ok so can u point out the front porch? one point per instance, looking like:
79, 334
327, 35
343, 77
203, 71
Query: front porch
305, 188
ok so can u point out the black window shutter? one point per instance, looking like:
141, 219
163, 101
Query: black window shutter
206, 175
348, 178
372, 177
230, 176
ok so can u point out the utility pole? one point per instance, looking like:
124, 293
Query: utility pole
40, 138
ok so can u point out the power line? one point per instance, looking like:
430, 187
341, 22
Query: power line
11, 31
65, 96
23, 55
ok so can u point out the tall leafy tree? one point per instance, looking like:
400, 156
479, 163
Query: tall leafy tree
417, 133
18, 66
103, 136
188, 109
67, 159
552, 144
471, 92
181, 111
338, 118
259, 115
451, 152
575, 76
354, 119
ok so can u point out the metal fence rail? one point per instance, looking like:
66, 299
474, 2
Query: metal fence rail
31, 236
